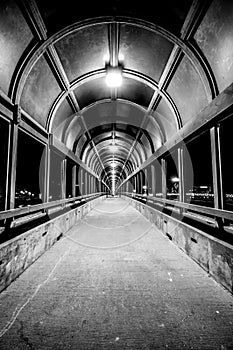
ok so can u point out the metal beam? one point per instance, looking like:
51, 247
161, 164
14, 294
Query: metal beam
216, 167
54, 142
220, 107
34, 18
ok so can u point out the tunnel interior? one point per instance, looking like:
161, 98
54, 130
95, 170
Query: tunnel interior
116, 122
162, 131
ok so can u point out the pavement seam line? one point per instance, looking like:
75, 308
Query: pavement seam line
18, 310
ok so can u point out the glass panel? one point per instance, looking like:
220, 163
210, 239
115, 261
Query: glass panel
172, 176
55, 176
214, 36
78, 49
135, 91
187, 91
30, 171
158, 178
166, 118
144, 50
77, 187
198, 181
62, 117
39, 92
4, 137
227, 169
15, 37
69, 169
92, 91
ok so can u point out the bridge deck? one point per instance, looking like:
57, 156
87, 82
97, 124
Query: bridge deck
115, 282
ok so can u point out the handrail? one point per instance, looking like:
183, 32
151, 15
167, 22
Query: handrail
7, 214
214, 212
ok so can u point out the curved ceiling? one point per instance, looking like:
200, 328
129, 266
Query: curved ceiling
60, 77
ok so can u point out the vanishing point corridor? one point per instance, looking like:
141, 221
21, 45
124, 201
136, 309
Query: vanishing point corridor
116, 176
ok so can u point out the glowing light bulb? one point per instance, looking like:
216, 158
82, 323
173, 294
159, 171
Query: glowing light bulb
114, 77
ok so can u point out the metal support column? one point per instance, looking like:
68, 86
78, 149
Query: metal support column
13, 157
216, 171
164, 177
153, 180
181, 175
47, 173
63, 178
74, 170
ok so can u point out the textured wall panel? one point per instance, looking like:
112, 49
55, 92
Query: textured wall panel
83, 51
91, 92
40, 90
144, 51
14, 38
136, 92
187, 91
154, 131
20, 252
64, 112
166, 118
215, 38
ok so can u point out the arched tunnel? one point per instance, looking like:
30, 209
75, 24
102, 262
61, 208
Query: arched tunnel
116, 191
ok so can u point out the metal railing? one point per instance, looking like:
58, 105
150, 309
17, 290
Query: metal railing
217, 214
61, 203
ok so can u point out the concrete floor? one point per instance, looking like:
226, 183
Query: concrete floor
115, 282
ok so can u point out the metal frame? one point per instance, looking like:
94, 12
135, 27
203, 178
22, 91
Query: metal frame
212, 212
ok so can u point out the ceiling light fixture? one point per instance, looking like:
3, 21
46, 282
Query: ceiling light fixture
114, 76
113, 164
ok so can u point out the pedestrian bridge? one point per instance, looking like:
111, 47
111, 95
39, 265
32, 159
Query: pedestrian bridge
116, 191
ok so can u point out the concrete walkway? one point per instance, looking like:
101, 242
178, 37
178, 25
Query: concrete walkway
115, 282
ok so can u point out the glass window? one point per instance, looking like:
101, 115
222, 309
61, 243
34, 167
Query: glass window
69, 178
226, 128
55, 176
77, 187
172, 176
158, 178
198, 178
4, 136
30, 171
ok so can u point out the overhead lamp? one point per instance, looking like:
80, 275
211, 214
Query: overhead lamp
114, 76
113, 164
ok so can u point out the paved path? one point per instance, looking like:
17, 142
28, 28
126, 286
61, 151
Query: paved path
115, 282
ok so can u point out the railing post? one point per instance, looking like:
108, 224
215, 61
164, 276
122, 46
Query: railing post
74, 181
164, 177
63, 179
13, 143
181, 175
47, 172
13, 156
217, 171
153, 180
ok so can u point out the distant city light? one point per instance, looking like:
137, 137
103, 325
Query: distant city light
175, 179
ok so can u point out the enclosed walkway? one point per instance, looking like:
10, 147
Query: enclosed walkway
114, 281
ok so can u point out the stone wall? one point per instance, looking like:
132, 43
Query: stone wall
212, 254
20, 252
